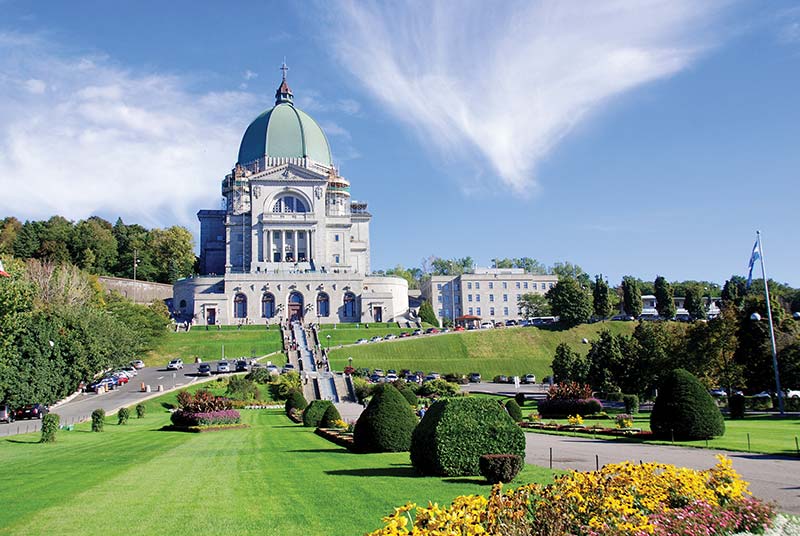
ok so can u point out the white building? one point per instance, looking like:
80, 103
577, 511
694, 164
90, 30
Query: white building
489, 293
649, 306
291, 243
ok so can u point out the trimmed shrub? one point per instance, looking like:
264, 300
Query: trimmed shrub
49, 428
498, 468
295, 400
240, 388
614, 396
520, 399
313, 414
736, 405
330, 418
409, 395
362, 387
456, 432
631, 404
98, 419
141, 409
386, 424
259, 375
438, 388
684, 409
123, 415
513, 410
210, 418
564, 407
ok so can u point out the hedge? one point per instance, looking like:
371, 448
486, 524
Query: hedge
330, 418
631, 404
295, 400
211, 418
497, 468
514, 410
561, 407
386, 424
684, 410
409, 395
456, 432
49, 428
98, 419
312, 415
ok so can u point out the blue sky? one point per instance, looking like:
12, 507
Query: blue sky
631, 138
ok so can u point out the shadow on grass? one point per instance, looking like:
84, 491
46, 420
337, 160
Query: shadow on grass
400, 472
467, 480
325, 451
22, 442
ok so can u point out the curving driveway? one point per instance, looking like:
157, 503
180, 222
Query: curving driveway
775, 478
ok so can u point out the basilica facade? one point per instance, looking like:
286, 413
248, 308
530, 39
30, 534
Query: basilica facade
291, 243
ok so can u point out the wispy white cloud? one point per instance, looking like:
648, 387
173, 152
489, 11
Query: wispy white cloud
509, 81
81, 136
312, 100
249, 75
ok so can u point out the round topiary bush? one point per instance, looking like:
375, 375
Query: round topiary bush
520, 398
141, 409
330, 418
295, 400
456, 432
513, 409
123, 415
313, 414
98, 419
409, 395
496, 468
631, 404
49, 428
684, 409
736, 405
387, 423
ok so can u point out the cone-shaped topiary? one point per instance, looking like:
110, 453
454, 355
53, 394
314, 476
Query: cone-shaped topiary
313, 414
330, 418
295, 400
513, 409
49, 428
684, 410
456, 432
387, 423
409, 395
98, 419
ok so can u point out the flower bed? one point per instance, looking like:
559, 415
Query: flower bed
187, 419
620, 499
334, 435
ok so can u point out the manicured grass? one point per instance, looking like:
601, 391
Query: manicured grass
207, 345
274, 478
511, 351
351, 335
768, 434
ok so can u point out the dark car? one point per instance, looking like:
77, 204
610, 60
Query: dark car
6, 413
417, 332
431, 330
404, 334
474, 377
204, 369
241, 366
31, 411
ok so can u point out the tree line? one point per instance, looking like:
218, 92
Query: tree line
98, 247
58, 328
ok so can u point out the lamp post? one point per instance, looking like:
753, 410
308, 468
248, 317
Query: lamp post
329, 341
755, 317
135, 264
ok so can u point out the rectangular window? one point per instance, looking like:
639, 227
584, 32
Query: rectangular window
477, 297
491, 297
525, 284
478, 311
518, 297
457, 298
477, 286
505, 297
505, 311
470, 310
491, 311
505, 285
518, 284
491, 285
469, 297
439, 286
336, 259
336, 238
552, 285
469, 286
440, 299
534, 286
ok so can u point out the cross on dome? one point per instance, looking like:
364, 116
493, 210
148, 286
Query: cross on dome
284, 94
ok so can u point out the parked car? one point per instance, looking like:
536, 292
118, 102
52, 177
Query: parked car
390, 337
241, 366
502, 378
175, 364
511, 322
138, 364
417, 332
121, 378
487, 325
378, 372
376, 338
792, 393
718, 392
474, 377
431, 330
223, 366
435, 375
390, 377
204, 369
362, 341
31, 411
459, 328
412, 378
649, 317
682, 317
273, 369
623, 318
288, 367
6, 413
404, 334
529, 378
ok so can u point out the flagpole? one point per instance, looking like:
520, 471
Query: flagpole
771, 328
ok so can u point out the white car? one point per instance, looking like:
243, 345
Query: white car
175, 364
138, 364
273, 370
223, 366
529, 378
362, 341
793, 394
487, 325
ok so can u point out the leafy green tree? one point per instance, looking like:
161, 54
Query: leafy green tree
569, 302
9, 227
631, 296
605, 357
532, 305
427, 315
601, 298
94, 246
28, 240
405, 273
567, 269
721, 344
173, 253
665, 298
693, 303
569, 365
734, 290
684, 410
460, 266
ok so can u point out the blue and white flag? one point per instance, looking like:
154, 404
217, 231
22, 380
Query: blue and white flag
753, 258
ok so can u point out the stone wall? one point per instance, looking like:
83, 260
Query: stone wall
138, 291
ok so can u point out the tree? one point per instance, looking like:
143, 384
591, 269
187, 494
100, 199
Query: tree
734, 290
94, 246
9, 227
631, 296
533, 305
722, 370
427, 315
567, 269
605, 357
684, 410
173, 253
460, 266
665, 299
569, 365
28, 240
405, 273
569, 302
693, 303
601, 298
386, 424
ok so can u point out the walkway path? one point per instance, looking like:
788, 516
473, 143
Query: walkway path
327, 389
775, 478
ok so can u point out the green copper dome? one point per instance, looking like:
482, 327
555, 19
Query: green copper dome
284, 132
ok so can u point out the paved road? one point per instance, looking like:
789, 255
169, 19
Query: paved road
774, 478
80, 408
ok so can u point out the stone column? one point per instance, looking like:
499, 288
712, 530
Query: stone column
269, 245
294, 244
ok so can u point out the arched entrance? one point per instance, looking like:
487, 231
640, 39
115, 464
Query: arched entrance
323, 305
240, 306
268, 305
295, 306
349, 305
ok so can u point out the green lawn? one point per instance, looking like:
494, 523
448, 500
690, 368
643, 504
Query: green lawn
273, 478
207, 345
511, 351
351, 335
